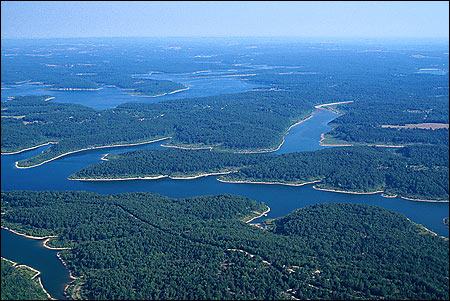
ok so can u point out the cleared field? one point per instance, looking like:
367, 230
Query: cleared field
425, 126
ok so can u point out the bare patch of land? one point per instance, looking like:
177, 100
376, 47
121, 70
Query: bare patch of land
15, 117
259, 215
332, 104
424, 126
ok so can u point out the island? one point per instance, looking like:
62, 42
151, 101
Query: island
414, 172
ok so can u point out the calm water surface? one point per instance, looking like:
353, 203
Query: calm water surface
281, 199
31, 252
110, 97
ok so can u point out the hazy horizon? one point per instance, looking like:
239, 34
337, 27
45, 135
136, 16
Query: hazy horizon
171, 19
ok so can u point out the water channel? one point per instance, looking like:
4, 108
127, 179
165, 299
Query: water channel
282, 199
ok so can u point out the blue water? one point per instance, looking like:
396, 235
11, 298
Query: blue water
106, 98
206, 83
110, 97
30, 252
281, 199
306, 136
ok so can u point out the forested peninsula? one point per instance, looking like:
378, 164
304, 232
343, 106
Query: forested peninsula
20, 282
245, 122
417, 172
413, 120
133, 246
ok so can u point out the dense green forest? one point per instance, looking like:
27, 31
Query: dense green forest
18, 285
147, 246
140, 246
234, 122
386, 90
419, 172
363, 121
385, 85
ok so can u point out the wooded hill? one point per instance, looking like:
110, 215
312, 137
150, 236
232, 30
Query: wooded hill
251, 121
419, 172
146, 246
18, 285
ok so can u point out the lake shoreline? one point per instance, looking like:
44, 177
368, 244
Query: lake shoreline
37, 275
90, 148
188, 148
382, 194
74, 89
267, 183
332, 104
45, 239
131, 91
322, 138
344, 191
162, 94
28, 236
27, 149
420, 200
155, 177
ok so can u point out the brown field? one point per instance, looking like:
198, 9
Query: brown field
15, 117
424, 126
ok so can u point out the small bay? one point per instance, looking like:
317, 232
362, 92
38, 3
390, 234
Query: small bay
30, 252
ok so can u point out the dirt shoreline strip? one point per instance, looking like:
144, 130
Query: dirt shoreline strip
157, 177
258, 216
37, 275
90, 148
30, 148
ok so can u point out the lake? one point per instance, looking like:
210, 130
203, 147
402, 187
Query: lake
110, 97
282, 199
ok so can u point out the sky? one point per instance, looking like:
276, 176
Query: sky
61, 19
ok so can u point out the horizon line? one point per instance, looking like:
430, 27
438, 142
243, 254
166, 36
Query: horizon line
231, 36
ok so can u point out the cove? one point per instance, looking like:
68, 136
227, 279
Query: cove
30, 252
303, 137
